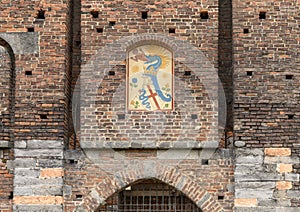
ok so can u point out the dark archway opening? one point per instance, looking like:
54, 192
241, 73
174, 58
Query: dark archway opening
149, 195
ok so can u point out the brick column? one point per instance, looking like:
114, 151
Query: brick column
38, 181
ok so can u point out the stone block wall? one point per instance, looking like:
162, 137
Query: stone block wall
266, 105
38, 175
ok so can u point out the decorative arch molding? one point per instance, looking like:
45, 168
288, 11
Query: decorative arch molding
171, 176
11, 93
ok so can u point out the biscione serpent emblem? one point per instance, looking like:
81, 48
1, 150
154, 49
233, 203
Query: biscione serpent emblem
151, 71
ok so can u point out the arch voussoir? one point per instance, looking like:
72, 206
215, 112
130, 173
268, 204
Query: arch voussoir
171, 176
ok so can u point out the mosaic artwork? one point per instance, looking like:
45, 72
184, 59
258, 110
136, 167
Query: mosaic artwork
150, 78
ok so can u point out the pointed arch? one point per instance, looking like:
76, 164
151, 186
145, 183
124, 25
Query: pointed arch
170, 176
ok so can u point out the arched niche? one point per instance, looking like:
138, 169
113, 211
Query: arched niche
7, 87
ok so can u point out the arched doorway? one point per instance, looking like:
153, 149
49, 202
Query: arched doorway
149, 195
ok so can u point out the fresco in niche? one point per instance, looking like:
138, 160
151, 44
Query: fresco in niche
150, 78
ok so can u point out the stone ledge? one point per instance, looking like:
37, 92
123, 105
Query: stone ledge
149, 144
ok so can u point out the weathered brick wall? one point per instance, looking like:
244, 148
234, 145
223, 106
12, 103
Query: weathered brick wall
39, 45
113, 22
265, 116
266, 107
7, 86
183, 16
266, 100
38, 107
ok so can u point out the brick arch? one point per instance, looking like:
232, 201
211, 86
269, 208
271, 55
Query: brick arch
9, 49
171, 176
9, 114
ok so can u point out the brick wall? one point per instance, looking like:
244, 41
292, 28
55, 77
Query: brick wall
43, 46
39, 82
7, 87
265, 97
266, 108
105, 23
36, 32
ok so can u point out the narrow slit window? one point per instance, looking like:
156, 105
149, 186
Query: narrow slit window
43, 116
220, 197
28, 73
262, 15
246, 31
112, 23
144, 15
121, 116
172, 30
11, 195
95, 14
41, 14
187, 73
30, 29
249, 73
78, 43
204, 162
78, 196
99, 30
204, 14
111, 73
